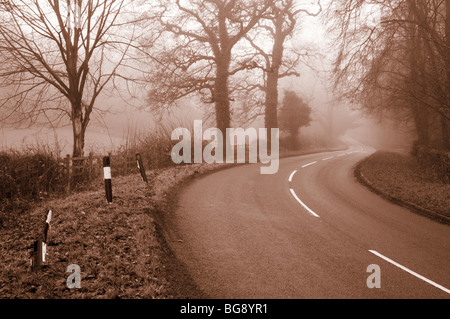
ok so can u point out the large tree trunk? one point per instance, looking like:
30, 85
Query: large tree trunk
78, 130
271, 110
273, 75
416, 86
222, 103
444, 121
222, 98
421, 121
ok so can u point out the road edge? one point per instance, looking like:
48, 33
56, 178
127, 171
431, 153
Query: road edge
182, 284
411, 206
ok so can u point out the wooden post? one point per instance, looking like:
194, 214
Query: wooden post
47, 225
107, 177
45, 235
36, 259
39, 255
141, 168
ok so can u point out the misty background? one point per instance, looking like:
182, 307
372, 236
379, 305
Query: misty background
128, 116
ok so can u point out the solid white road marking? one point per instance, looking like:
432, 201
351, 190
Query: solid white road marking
309, 164
292, 176
410, 271
303, 204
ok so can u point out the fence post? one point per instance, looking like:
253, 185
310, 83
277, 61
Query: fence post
45, 235
141, 168
107, 177
68, 170
38, 257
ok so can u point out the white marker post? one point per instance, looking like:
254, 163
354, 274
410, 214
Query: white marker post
141, 168
46, 229
36, 257
39, 255
107, 176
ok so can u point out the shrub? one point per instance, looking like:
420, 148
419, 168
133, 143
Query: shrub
434, 162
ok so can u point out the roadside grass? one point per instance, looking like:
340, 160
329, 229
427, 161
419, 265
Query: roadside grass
117, 246
402, 179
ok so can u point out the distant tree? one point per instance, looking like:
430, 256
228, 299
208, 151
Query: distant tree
273, 31
58, 58
294, 114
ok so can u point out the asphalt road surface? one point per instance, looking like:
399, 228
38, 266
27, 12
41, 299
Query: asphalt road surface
309, 231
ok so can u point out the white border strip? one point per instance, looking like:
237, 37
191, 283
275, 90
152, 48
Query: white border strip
303, 204
292, 176
410, 271
309, 164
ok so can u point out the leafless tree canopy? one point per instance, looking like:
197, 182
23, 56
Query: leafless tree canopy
395, 57
276, 61
207, 45
197, 56
58, 56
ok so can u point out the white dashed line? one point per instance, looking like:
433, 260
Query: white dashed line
410, 271
328, 158
309, 164
303, 204
292, 176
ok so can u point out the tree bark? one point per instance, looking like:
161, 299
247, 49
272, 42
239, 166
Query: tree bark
78, 131
444, 121
221, 94
273, 76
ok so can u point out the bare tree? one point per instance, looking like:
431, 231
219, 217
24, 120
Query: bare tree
60, 56
278, 25
197, 52
394, 57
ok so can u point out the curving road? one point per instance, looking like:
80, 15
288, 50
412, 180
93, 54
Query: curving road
309, 231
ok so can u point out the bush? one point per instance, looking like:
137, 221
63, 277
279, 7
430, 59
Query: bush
434, 162
27, 176
155, 146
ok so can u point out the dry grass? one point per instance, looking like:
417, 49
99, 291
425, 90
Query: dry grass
401, 177
116, 245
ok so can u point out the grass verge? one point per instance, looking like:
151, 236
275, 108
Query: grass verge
400, 179
118, 246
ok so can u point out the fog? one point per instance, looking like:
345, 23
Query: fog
124, 119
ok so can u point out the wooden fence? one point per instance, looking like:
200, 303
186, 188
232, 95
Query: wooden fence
88, 168
31, 177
